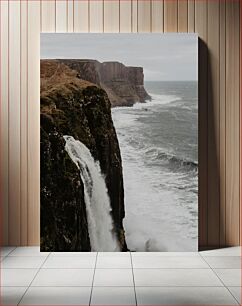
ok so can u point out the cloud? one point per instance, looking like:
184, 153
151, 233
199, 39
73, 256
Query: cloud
163, 56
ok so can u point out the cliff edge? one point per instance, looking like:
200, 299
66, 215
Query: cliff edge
123, 85
78, 108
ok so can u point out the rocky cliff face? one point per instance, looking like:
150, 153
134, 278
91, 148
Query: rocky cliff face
75, 107
124, 85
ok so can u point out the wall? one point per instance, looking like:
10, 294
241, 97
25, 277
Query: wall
216, 22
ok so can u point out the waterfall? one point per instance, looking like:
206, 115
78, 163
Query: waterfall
100, 224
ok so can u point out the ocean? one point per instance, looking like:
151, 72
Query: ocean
159, 148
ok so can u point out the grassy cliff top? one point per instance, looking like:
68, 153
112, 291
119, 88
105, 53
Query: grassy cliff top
57, 77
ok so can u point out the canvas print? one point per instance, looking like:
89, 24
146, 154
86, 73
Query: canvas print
119, 142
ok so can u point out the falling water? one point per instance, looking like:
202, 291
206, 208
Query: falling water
100, 224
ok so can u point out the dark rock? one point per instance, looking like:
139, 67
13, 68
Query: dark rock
71, 106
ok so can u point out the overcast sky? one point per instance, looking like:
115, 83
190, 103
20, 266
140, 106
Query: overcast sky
164, 57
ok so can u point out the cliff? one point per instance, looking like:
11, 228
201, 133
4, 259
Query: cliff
124, 85
75, 107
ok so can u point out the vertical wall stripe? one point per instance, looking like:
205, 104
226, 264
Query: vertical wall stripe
213, 124
14, 122
182, 16
191, 16
171, 15
157, 16
222, 120
23, 124
96, 16
4, 121
240, 129
126, 16
201, 29
111, 16
61, 16
134, 20
232, 121
48, 15
33, 122
144, 16
81, 16
70, 16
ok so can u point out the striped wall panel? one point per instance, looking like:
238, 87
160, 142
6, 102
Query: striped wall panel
217, 24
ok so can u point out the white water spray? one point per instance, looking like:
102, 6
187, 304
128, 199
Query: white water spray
100, 224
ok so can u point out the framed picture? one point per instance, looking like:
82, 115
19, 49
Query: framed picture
119, 142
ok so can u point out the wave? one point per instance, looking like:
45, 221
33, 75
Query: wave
179, 161
164, 99
174, 160
190, 107
165, 178
174, 101
157, 100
